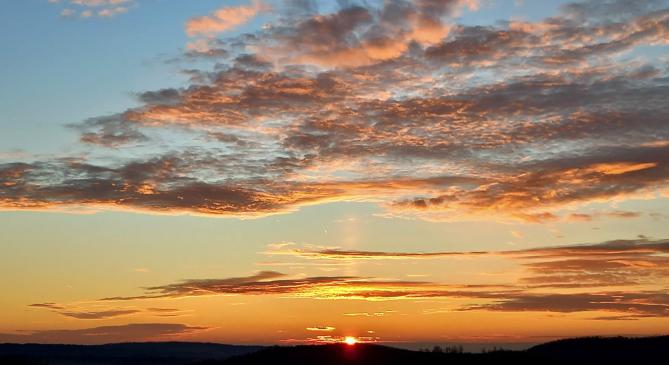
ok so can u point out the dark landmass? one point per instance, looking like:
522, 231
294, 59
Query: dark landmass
147, 353
591, 350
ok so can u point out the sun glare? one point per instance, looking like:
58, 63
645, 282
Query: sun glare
350, 341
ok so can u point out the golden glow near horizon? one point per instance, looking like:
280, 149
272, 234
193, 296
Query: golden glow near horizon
286, 176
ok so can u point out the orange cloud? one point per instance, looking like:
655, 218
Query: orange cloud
356, 36
320, 329
224, 19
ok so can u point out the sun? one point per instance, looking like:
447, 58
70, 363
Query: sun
350, 340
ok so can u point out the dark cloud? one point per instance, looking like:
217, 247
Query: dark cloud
111, 131
106, 334
319, 287
168, 184
160, 97
357, 254
105, 314
47, 306
265, 282
252, 62
622, 263
97, 313
652, 304
642, 246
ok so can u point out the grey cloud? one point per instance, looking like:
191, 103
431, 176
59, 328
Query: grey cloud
654, 304
105, 334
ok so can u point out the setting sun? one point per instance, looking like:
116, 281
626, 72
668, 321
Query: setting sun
350, 341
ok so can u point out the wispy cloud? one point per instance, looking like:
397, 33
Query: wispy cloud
319, 287
630, 305
328, 339
96, 312
320, 329
93, 8
106, 334
624, 278
335, 253
621, 263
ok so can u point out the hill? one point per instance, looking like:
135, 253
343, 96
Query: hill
594, 350
149, 353
591, 350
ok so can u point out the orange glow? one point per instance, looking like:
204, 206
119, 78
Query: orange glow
350, 340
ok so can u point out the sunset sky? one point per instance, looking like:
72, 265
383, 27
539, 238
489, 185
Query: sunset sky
298, 171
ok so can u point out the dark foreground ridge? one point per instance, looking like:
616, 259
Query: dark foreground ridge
592, 350
147, 353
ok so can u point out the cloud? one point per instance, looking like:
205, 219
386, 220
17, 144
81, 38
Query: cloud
110, 131
134, 332
320, 329
638, 305
163, 185
328, 339
615, 263
96, 313
559, 182
369, 314
492, 297
318, 287
392, 103
335, 253
225, 19
93, 8
623, 278
587, 217
359, 35
620, 263
99, 314
640, 248
47, 306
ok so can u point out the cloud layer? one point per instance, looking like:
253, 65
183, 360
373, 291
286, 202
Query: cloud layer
625, 279
105, 334
396, 104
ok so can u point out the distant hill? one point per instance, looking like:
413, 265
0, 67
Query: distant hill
595, 350
364, 354
592, 350
148, 353
641, 350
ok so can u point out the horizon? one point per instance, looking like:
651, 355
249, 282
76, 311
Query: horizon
284, 172
457, 347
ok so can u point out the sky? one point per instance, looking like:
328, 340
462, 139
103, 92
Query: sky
297, 171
